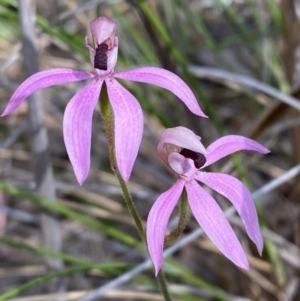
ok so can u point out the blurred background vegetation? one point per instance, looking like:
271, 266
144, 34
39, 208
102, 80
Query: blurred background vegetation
97, 240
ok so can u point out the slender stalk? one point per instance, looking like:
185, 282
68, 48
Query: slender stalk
108, 119
184, 217
130, 206
163, 285
138, 222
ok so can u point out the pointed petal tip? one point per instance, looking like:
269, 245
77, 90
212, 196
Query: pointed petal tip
240, 260
77, 128
201, 114
128, 126
165, 79
124, 175
198, 111
157, 268
157, 222
244, 265
7, 111
156, 272
10, 107
266, 151
258, 241
80, 181
81, 177
260, 248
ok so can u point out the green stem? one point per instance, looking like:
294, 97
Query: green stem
138, 222
163, 285
130, 205
108, 120
184, 217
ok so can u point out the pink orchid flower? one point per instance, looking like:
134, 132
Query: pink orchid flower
182, 150
128, 116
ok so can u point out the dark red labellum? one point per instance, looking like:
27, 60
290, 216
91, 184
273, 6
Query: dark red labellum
100, 60
199, 159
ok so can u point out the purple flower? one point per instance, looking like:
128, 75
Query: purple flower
128, 116
182, 150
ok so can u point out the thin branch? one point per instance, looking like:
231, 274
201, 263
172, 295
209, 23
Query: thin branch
230, 79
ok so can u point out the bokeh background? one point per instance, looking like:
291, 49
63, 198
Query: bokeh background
60, 241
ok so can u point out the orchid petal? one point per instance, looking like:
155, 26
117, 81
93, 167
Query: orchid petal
239, 195
92, 51
128, 126
165, 79
231, 144
214, 223
77, 126
103, 29
182, 166
182, 137
112, 57
42, 80
157, 222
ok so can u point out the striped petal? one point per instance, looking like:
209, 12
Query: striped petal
214, 223
77, 126
42, 80
239, 195
230, 144
128, 122
157, 222
164, 79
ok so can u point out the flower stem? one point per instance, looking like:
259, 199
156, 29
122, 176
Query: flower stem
138, 222
108, 119
130, 206
185, 214
163, 285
